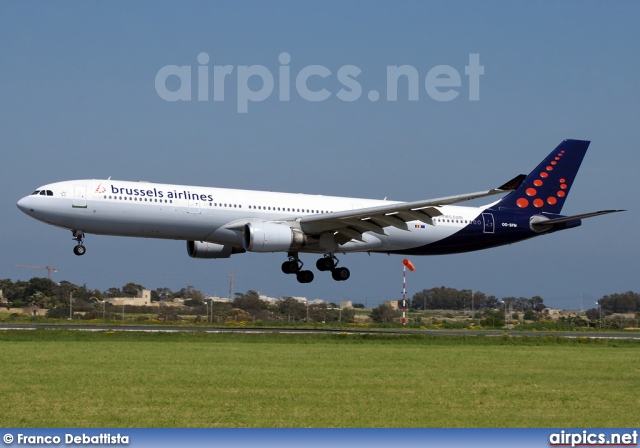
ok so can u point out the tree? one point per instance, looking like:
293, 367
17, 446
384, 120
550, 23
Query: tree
194, 303
510, 302
191, 293
17, 293
161, 294
250, 301
320, 312
132, 289
5, 284
220, 310
58, 313
347, 315
384, 313
82, 292
113, 292
443, 298
627, 302
64, 290
492, 318
288, 306
593, 313
536, 303
41, 300
483, 302
41, 285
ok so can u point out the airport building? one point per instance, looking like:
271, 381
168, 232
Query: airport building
143, 299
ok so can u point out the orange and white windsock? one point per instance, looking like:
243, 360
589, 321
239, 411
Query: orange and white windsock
407, 265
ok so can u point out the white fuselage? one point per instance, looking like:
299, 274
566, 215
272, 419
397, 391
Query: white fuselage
151, 210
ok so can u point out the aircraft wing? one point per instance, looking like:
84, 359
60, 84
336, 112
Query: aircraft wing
350, 224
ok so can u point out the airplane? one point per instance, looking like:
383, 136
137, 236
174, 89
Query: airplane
218, 222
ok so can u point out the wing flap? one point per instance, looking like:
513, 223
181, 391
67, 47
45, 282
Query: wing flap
389, 221
351, 234
365, 225
411, 215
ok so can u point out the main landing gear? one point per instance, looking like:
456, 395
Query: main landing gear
294, 266
328, 263
79, 249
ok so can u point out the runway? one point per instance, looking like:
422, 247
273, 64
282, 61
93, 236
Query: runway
212, 329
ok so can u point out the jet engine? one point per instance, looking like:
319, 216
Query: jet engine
200, 249
271, 237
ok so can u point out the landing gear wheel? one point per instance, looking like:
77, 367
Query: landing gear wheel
79, 250
340, 274
305, 276
290, 267
325, 264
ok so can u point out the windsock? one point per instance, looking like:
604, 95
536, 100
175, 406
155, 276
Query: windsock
408, 265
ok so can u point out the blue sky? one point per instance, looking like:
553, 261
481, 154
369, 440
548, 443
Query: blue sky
79, 101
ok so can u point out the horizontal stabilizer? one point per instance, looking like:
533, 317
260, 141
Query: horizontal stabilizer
539, 223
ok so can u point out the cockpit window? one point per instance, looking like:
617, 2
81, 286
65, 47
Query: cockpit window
42, 193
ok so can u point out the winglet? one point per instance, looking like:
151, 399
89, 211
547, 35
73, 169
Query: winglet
514, 183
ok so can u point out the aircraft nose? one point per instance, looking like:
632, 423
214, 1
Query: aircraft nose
24, 203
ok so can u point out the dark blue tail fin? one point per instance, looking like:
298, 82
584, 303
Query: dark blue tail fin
546, 188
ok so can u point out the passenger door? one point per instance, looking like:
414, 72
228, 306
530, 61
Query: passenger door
79, 196
489, 224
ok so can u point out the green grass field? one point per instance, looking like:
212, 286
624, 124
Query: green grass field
60, 378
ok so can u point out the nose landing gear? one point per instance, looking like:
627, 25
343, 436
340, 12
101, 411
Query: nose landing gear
79, 249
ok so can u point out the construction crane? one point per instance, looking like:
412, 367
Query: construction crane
48, 268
